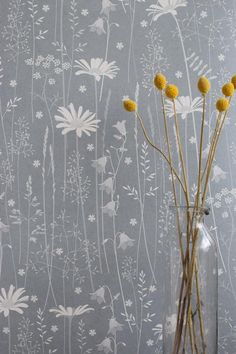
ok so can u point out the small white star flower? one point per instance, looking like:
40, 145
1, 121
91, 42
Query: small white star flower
13, 83
91, 218
192, 140
34, 298
221, 57
178, 74
59, 251
51, 81
78, 290
150, 342
84, 12
11, 203
128, 303
5, 330
203, 14
119, 45
90, 147
36, 163
54, 328
128, 161
82, 89
45, 8
92, 332
152, 288
133, 222
143, 23
39, 114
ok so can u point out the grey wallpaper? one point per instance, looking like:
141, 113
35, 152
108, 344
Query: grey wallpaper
83, 198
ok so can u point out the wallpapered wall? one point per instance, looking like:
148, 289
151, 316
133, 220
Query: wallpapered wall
83, 216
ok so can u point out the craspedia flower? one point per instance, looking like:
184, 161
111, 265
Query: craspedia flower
233, 80
222, 104
204, 85
130, 105
171, 91
160, 81
228, 89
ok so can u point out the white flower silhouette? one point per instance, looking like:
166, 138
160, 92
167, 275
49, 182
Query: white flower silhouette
97, 68
107, 185
105, 346
99, 295
114, 326
184, 106
170, 323
218, 174
98, 26
120, 126
125, 241
100, 164
107, 6
12, 301
164, 7
110, 208
81, 122
62, 311
4, 228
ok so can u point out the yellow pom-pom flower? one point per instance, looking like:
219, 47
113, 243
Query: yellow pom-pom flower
222, 104
160, 81
171, 91
233, 80
204, 85
228, 89
130, 105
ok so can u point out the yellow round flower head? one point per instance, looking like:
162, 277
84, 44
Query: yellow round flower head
228, 89
233, 80
172, 91
204, 85
130, 105
222, 104
160, 81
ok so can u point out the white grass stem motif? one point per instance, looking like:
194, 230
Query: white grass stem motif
132, 14
47, 247
106, 51
96, 181
188, 81
102, 179
118, 272
141, 204
19, 204
83, 219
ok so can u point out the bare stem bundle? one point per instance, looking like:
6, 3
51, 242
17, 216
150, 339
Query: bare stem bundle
185, 326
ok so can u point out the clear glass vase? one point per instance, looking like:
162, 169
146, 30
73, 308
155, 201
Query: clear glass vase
191, 285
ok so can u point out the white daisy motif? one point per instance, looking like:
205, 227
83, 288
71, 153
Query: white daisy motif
62, 311
184, 106
97, 68
81, 122
12, 301
165, 7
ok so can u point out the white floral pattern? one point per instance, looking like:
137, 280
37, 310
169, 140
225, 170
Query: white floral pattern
84, 221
